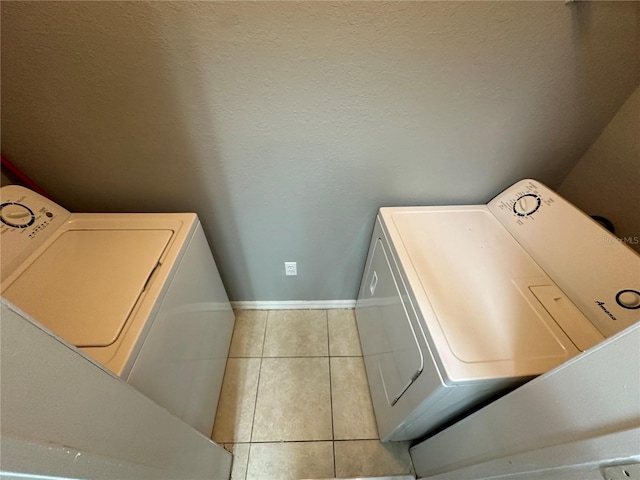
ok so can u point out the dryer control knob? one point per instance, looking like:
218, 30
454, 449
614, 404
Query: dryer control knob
628, 299
526, 205
16, 215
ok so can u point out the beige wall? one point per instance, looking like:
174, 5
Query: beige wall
4, 179
286, 125
606, 180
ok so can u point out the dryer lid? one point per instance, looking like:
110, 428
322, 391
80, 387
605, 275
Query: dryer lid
85, 285
476, 278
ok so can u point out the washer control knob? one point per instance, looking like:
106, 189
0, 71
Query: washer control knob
526, 205
628, 299
16, 215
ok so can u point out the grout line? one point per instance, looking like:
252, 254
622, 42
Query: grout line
255, 404
296, 441
246, 467
302, 356
235, 456
333, 433
299, 356
370, 439
264, 334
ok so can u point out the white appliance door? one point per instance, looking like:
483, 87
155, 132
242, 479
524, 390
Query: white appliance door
391, 314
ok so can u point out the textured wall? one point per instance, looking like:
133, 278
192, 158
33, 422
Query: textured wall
4, 179
606, 180
286, 125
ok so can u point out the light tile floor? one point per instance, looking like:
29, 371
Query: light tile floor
295, 400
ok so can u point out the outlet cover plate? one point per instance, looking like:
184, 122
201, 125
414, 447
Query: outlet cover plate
290, 268
630, 471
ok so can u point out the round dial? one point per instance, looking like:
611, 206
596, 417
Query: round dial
628, 299
16, 215
526, 204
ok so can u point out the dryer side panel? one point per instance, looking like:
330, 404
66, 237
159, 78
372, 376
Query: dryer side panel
392, 352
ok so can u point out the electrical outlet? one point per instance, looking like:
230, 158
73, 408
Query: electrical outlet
290, 268
630, 471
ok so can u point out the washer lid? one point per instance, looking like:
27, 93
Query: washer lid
85, 284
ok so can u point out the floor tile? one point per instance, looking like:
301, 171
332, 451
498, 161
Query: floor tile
240, 453
290, 461
294, 400
296, 333
353, 416
370, 458
248, 334
236, 407
343, 333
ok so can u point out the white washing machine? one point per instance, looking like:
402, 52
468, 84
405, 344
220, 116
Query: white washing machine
138, 293
459, 304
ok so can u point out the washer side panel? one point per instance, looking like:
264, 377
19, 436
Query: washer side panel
182, 361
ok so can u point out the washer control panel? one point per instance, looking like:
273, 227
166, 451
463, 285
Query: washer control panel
597, 271
16, 215
27, 219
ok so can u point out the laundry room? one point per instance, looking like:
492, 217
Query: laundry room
292, 200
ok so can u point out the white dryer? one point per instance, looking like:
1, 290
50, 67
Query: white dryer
138, 293
460, 304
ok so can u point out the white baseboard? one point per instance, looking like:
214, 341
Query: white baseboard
294, 305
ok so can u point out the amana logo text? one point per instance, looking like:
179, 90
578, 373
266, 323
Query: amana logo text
604, 309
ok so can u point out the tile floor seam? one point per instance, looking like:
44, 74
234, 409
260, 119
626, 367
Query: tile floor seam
253, 417
303, 357
255, 405
345, 440
306, 441
297, 356
264, 337
333, 433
